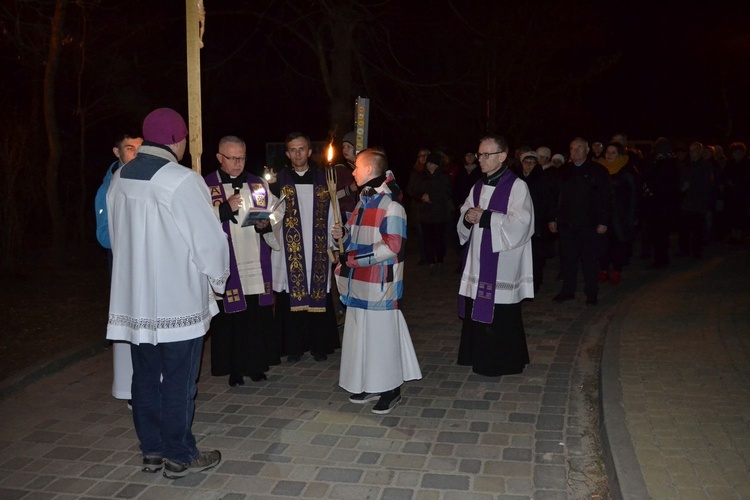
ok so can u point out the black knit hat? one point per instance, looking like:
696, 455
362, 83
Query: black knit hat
435, 158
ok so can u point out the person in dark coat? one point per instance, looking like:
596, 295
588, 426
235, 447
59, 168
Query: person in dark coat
737, 192
581, 214
540, 188
466, 177
697, 187
433, 190
623, 182
659, 199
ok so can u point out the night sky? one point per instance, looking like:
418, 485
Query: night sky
568, 68
668, 70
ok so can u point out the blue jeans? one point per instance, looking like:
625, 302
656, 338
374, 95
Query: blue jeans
163, 408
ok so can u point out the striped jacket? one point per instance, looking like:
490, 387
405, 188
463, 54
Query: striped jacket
374, 244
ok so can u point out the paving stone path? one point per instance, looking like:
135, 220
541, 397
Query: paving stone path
456, 435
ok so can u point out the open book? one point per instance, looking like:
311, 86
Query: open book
257, 214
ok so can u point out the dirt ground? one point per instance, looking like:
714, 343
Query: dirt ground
49, 311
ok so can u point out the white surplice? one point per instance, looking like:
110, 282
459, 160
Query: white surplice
511, 243
169, 250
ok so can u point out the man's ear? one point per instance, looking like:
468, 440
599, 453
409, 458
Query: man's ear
218, 158
309, 152
116, 151
287, 154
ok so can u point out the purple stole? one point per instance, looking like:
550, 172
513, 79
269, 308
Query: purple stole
234, 297
484, 303
304, 296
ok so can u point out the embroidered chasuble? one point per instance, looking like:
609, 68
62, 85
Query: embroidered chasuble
307, 282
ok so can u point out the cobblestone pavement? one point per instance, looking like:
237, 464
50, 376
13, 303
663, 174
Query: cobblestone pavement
676, 383
456, 435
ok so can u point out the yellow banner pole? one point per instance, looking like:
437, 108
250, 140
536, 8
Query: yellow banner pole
195, 18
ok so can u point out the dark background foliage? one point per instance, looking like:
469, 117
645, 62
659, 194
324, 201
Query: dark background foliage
439, 74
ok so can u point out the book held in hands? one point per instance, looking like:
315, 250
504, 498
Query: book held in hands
257, 214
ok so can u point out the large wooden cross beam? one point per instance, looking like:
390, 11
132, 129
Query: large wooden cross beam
195, 18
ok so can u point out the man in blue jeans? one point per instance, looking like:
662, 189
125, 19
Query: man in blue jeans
169, 249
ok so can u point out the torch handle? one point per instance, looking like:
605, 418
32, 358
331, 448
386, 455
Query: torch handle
336, 216
331, 181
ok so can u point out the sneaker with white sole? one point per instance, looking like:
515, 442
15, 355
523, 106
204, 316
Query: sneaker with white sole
206, 460
363, 397
388, 400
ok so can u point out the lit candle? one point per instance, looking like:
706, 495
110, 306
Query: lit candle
330, 153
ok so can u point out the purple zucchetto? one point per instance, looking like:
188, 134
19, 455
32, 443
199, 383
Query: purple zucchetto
164, 126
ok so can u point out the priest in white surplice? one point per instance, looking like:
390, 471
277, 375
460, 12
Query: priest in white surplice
169, 251
497, 221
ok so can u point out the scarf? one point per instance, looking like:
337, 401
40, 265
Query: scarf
484, 303
304, 296
234, 297
614, 166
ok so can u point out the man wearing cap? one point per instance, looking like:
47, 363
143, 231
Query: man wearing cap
497, 221
557, 160
543, 157
346, 186
169, 251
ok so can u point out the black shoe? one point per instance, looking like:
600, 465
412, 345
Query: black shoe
592, 301
235, 380
293, 358
320, 357
206, 460
363, 398
258, 377
388, 400
130, 404
562, 297
152, 464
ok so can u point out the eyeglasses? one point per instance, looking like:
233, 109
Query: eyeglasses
235, 159
484, 156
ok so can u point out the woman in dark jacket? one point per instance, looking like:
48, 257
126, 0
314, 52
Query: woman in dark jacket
660, 196
623, 182
433, 189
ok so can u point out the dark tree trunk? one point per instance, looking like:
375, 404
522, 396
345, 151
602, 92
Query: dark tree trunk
53, 132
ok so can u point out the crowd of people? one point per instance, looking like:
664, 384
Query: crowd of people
266, 263
597, 202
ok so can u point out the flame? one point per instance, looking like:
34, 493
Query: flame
330, 153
